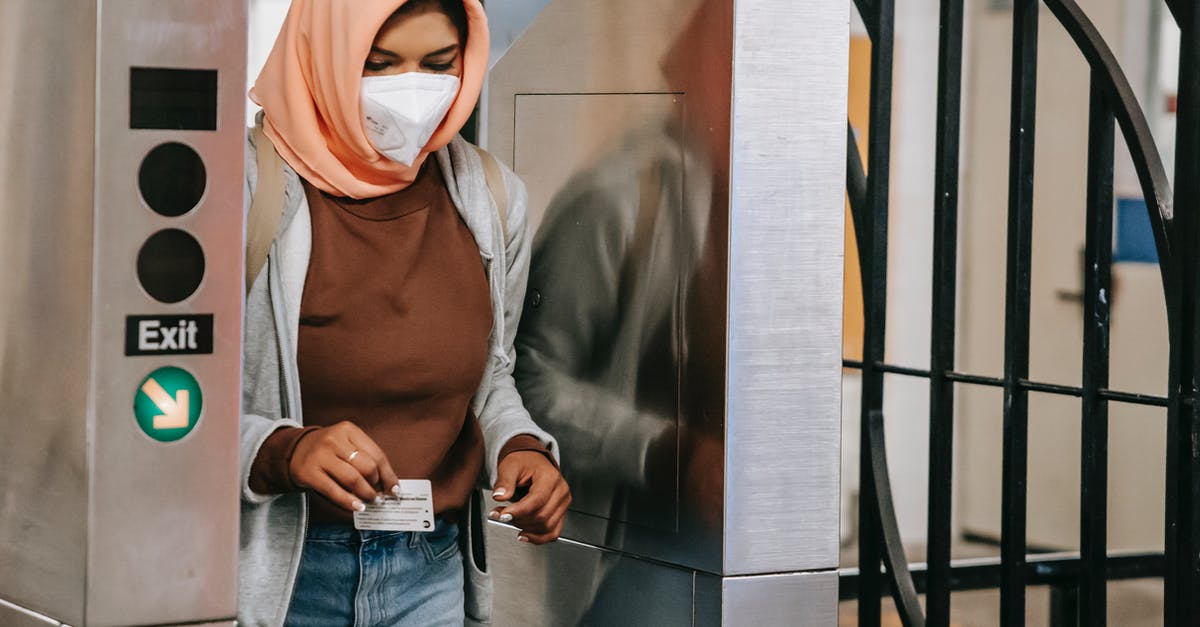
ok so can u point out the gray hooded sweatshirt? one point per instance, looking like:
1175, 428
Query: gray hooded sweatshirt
273, 526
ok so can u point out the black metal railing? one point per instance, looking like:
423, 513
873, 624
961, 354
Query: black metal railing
1081, 577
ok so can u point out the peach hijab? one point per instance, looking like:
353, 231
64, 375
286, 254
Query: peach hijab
309, 92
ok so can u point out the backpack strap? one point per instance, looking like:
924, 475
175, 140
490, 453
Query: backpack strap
495, 183
637, 256
266, 207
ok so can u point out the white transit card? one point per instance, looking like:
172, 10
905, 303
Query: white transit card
412, 510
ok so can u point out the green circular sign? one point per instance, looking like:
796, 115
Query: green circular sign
167, 404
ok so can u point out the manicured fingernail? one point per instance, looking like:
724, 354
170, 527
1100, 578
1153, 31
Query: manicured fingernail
499, 493
505, 518
379, 499
494, 515
396, 489
358, 506
523, 538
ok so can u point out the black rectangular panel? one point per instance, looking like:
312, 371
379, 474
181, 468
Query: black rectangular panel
169, 335
172, 99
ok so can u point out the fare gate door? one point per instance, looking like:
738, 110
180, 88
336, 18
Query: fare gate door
120, 309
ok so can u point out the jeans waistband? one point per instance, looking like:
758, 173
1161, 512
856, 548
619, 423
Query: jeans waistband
342, 532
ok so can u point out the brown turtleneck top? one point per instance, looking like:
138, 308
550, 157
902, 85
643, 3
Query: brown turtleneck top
394, 328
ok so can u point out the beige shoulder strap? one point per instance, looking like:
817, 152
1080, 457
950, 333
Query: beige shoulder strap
638, 255
266, 207
495, 183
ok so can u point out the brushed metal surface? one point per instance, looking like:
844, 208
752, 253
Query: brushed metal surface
785, 286
563, 108
597, 586
706, 611
590, 586
600, 363
795, 599
46, 181
617, 115
164, 517
15, 616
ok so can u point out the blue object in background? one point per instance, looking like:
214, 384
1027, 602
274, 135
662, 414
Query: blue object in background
1135, 237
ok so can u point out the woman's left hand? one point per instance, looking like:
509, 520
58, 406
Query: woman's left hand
539, 514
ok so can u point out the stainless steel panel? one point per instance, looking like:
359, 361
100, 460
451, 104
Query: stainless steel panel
46, 181
609, 417
617, 115
795, 599
785, 286
164, 517
15, 616
568, 107
706, 610
590, 586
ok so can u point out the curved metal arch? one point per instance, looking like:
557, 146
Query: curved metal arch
1152, 174
903, 587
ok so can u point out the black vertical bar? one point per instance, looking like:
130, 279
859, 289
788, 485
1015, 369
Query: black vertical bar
1064, 607
870, 554
941, 353
1097, 294
1016, 319
1182, 579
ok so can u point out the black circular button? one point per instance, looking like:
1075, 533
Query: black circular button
170, 265
172, 179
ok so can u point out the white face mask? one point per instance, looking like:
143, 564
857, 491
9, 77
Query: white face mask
401, 111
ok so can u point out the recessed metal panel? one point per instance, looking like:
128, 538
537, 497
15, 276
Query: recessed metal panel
600, 347
47, 122
617, 117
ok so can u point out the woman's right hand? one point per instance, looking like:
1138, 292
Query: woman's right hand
342, 464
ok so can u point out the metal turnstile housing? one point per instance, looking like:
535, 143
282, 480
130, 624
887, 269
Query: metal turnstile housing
100, 523
682, 334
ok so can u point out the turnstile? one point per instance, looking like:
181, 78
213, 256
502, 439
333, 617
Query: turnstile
682, 330
121, 196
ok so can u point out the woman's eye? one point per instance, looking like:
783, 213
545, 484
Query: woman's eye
440, 67
376, 66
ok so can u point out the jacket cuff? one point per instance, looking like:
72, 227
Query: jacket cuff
270, 474
525, 442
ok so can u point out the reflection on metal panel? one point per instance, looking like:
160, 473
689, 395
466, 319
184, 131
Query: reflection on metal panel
681, 332
47, 117
623, 142
590, 586
600, 349
785, 280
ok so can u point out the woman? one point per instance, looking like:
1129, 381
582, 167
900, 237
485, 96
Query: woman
375, 309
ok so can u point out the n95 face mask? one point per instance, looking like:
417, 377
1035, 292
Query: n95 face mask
401, 111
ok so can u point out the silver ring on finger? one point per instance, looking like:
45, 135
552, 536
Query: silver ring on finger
353, 454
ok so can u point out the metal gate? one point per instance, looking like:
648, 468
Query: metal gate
1081, 578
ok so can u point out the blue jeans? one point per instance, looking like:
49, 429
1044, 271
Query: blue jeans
378, 578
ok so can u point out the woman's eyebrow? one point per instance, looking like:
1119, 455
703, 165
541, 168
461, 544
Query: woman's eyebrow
446, 50
383, 52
